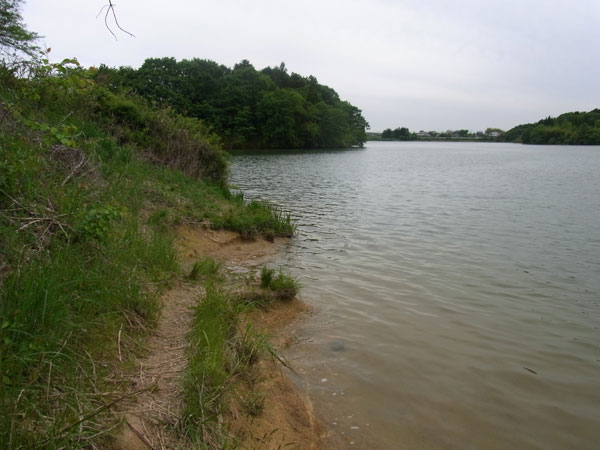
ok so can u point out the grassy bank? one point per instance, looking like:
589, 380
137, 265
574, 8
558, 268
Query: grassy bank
92, 185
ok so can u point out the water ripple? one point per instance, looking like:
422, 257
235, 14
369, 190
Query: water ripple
459, 282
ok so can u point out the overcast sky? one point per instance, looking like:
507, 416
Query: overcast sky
424, 64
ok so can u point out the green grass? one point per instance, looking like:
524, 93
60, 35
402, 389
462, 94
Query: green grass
224, 348
258, 218
266, 277
214, 325
205, 268
60, 319
282, 285
219, 356
92, 188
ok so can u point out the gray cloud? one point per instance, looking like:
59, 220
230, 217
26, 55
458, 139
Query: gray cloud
422, 64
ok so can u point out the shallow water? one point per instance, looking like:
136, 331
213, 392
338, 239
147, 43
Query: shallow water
457, 288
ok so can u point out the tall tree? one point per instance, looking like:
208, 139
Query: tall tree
573, 128
247, 108
15, 39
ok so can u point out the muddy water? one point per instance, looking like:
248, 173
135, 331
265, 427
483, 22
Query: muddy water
457, 290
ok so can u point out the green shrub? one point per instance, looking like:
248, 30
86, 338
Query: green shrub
169, 139
97, 222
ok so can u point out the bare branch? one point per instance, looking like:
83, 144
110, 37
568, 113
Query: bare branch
101, 10
109, 9
106, 21
112, 8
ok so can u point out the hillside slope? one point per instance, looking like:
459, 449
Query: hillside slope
93, 185
574, 128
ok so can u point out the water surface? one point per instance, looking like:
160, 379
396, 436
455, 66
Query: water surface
457, 289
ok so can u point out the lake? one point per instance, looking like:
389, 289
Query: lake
456, 289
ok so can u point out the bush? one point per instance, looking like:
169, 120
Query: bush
165, 137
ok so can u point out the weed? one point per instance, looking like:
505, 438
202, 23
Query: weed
248, 346
206, 268
251, 299
255, 218
266, 277
283, 286
98, 220
254, 403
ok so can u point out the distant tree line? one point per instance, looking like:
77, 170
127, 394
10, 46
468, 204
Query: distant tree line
574, 128
404, 134
399, 134
247, 108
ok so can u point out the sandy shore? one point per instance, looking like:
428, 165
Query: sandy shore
288, 419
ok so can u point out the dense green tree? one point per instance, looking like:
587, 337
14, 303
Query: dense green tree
247, 108
279, 113
574, 128
401, 134
333, 127
398, 134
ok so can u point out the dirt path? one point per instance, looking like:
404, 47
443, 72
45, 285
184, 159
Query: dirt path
160, 372
288, 417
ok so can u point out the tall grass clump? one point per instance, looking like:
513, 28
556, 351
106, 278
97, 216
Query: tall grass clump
255, 218
213, 326
60, 319
266, 277
206, 267
282, 285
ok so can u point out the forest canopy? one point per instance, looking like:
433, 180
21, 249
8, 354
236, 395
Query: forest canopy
247, 108
573, 128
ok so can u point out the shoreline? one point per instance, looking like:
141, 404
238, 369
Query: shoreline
287, 415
